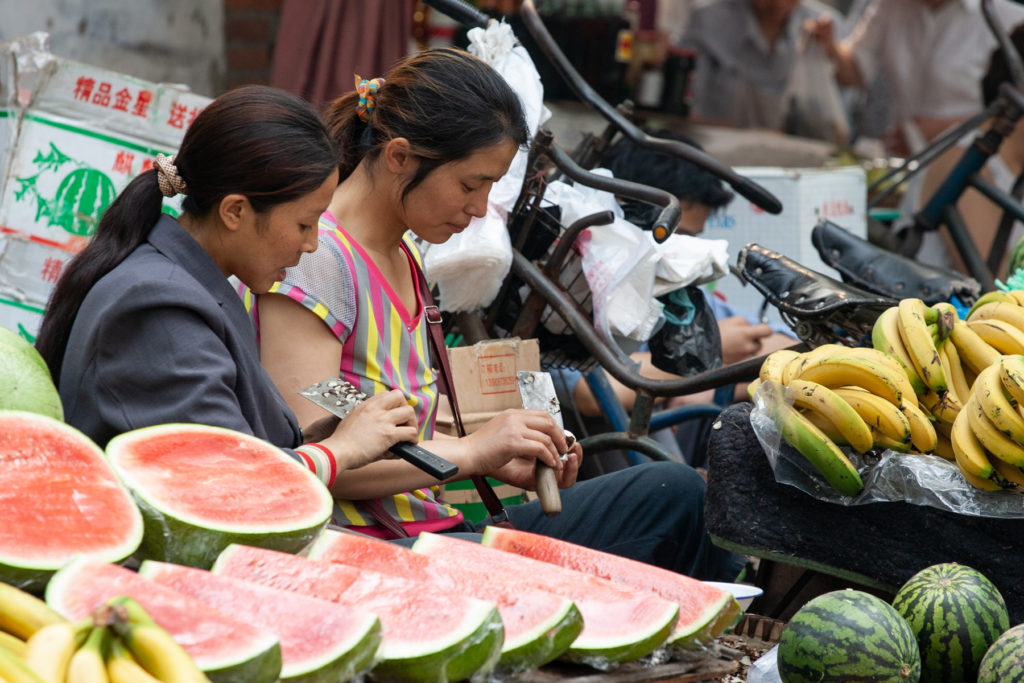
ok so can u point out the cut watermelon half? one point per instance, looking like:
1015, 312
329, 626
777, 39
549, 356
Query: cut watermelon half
705, 611
429, 636
58, 498
619, 622
203, 488
226, 649
539, 626
321, 641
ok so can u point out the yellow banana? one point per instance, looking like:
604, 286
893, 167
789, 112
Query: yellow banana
944, 449
13, 669
1009, 312
922, 432
774, 363
1008, 476
122, 667
88, 664
886, 442
919, 343
944, 408
793, 368
1017, 295
878, 413
48, 651
974, 351
829, 429
992, 398
970, 455
1000, 335
159, 654
22, 613
820, 399
752, 387
852, 370
885, 337
954, 369
128, 608
1011, 374
988, 297
994, 441
12, 644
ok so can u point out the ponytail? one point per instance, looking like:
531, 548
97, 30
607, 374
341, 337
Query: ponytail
125, 225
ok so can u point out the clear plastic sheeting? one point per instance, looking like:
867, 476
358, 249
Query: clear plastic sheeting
889, 477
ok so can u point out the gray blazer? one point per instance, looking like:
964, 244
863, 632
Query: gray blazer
165, 338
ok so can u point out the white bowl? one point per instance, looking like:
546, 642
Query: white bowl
744, 593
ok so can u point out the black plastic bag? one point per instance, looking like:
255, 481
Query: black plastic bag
689, 342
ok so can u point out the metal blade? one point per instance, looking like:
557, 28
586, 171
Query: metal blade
538, 393
334, 395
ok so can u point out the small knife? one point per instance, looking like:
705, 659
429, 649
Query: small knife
339, 398
538, 393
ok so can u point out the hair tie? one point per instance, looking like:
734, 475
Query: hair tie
167, 177
367, 90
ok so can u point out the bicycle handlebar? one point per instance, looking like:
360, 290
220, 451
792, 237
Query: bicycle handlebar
995, 25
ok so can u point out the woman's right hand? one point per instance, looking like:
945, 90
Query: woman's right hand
372, 427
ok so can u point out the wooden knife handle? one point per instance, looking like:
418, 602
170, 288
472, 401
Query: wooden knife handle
547, 490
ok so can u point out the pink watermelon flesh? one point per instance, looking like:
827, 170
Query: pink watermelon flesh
246, 484
619, 622
212, 638
58, 498
417, 622
700, 605
523, 610
312, 632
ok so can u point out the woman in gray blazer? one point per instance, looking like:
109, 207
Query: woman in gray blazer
144, 328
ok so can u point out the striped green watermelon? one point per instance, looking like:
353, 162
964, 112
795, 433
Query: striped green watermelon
82, 197
848, 636
956, 614
1016, 261
1004, 661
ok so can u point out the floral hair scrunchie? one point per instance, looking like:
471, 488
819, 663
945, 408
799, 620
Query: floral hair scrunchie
367, 90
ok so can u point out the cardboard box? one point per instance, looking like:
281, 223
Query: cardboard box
807, 195
485, 382
8, 107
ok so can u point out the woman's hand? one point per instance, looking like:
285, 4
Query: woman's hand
508, 446
371, 429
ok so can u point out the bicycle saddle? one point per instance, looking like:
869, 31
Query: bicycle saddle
884, 272
818, 308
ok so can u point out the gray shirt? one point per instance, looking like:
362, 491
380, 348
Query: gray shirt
165, 338
739, 78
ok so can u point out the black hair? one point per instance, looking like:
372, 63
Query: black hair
264, 143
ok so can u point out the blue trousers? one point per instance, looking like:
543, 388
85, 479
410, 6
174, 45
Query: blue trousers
652, 512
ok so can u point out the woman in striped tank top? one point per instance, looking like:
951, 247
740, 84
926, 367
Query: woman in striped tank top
421, 149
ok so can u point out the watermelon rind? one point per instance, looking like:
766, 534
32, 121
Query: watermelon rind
15, 343
171, 536
469, 650
956, 613
848, 635
258, 663
598, 652
523, 650
341, 662
33, 573
1004, 661
25, 380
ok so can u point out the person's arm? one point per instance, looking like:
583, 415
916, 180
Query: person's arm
847, 72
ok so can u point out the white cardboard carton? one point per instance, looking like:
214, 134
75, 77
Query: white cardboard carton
807, 195
85, 133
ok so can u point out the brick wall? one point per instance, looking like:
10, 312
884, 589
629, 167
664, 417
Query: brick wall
250, 27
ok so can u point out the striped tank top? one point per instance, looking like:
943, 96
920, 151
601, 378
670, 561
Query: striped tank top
384, 347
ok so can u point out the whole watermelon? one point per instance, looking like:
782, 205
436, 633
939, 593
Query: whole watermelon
849, 636
1004, 661
1016, 260
956, 613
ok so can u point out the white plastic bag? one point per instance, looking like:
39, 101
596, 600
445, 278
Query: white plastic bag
470, 267
815, 106
685, 260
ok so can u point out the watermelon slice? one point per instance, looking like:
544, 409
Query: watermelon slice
225, 648
619, 623
58, 499
429, 636
539, 626
321, 641
203, 488
704, 611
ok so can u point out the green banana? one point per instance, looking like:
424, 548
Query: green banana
88, 663
818, 398
819, 450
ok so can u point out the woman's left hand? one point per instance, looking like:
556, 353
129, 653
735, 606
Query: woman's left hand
520, 471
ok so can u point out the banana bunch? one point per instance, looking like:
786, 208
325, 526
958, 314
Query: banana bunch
117, 643
988, 434
836, 396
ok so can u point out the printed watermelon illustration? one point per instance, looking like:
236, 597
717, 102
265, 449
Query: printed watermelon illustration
59, 499
223, 647
82, 195
539, 625
321, 641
